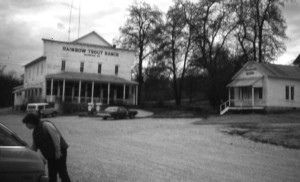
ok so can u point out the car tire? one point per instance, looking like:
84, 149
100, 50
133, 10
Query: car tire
54, 114
104, 118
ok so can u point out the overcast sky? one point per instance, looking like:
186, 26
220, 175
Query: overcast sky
25, 22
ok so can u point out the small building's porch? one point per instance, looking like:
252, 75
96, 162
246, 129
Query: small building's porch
244, 94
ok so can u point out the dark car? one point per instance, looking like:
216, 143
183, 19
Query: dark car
117, 112
17, 161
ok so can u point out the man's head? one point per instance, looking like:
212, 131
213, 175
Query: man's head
31, 120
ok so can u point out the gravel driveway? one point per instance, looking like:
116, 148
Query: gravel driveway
146, 149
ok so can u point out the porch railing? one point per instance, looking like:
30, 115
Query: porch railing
224, 107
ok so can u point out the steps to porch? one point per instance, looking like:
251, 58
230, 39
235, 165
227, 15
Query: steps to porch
227, 106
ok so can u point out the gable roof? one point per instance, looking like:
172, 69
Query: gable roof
274, 70
36, 60
96, 37
91, 77
297, 60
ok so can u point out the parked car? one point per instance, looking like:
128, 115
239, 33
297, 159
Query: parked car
41, 109
117, 112
17, 161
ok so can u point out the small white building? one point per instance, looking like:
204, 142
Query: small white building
264, 86
88, 69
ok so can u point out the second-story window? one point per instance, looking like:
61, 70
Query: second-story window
63, 65
99, 68
287, 92
116, 69
81, 66
292, 92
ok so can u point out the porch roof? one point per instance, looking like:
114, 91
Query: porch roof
21, 88
90, 77
255, 82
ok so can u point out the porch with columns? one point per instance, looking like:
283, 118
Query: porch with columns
116, 92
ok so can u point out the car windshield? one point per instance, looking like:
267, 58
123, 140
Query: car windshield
31, 107
111, 109
8, 138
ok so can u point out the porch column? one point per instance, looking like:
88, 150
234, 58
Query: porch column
85, 91
73, 91
136, 95
229, 96
64, 90
108, 91
124, 93
79, 91
92, 99
252, 96
51, 94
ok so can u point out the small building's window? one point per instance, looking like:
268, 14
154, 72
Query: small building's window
99, 68
63, 65
259, 91
116, 69
81, 66
42, 69
292, 92
287, 92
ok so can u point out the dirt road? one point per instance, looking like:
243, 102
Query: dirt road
146, 149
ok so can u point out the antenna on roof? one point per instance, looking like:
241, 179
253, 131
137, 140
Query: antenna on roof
70, 21
79, 18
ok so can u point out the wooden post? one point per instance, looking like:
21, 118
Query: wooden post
51, 95
124, 93
64, 90
92, 99
252, 96
108, 92
79, 91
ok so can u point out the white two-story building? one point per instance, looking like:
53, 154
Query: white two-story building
88, 69
264, 86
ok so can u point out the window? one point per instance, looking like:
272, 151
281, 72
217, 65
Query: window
7, 138
42, 69
292, 92
99, 67
259, 91
287, 92
63, 65
81, 66
116, 69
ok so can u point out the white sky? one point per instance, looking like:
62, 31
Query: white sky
25, 22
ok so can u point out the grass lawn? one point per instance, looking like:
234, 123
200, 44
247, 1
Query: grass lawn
276, 129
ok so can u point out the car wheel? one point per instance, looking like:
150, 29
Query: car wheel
54, 114
104, 118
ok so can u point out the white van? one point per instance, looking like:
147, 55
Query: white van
41, 109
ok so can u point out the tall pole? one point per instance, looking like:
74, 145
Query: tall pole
79, 18
69, 32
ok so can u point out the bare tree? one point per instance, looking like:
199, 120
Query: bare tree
261, 29
139, 32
